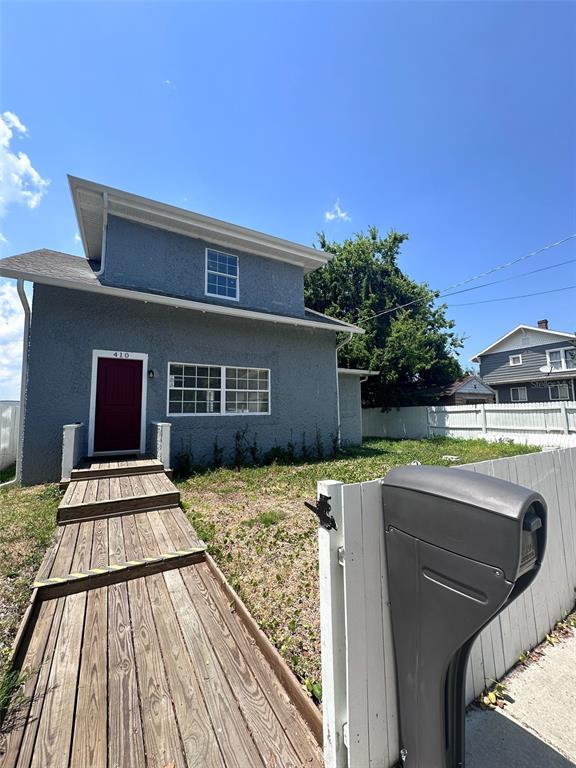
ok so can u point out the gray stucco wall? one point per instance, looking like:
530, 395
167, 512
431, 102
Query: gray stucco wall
495, 368
534, 394
138, 256
67, 325
350, 409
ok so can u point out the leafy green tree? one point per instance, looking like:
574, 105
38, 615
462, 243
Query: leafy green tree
413, 348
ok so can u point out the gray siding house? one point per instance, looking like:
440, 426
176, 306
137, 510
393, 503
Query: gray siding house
530, 365
171, 317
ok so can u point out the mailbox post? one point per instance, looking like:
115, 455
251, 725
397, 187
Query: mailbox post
460, 547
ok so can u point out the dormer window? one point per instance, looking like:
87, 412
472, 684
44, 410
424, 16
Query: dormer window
515, 359
221, 275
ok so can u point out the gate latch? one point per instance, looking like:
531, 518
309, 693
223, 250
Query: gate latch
322, 512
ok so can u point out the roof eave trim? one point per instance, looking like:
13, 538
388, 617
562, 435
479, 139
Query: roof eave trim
476, 357
207, 227
170, 301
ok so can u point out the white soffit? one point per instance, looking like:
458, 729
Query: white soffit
92, 201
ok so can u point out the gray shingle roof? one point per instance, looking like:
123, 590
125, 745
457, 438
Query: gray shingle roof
53, 267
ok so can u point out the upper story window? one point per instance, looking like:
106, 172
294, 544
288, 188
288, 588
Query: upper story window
515, 359
221, 275
562, 359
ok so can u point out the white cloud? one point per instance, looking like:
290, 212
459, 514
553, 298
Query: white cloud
11, 330
169, 84
336, 213
77, 238
3, 239
20, 182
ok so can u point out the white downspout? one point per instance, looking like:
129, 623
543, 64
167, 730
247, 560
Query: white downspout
338, 348
25, 340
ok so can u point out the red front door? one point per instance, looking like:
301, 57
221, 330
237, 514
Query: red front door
118, 405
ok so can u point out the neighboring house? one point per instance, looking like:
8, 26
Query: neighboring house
172, 317
530, 365
467, 391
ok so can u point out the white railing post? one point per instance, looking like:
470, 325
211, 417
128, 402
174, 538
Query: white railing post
333, 630
161, 442
72, 445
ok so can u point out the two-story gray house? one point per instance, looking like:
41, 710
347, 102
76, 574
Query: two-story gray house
171, 317
530, 365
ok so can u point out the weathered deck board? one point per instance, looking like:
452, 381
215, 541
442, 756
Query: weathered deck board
149, 672
161, 733
125, 739
106, 496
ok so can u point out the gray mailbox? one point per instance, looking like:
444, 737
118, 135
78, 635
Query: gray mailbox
460, 547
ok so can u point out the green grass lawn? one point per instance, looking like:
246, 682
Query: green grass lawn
255, 525
264, 539
27, 524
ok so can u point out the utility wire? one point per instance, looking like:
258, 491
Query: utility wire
521, 296
497, 268
512, 277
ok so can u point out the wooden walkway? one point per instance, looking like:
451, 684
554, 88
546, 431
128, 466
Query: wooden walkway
154, 669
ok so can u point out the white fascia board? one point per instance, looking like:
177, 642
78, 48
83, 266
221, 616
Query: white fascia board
135, 207
476, 357
170, 301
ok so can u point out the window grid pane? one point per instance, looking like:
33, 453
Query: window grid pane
222, 274
247, 390
194, 389
197, 389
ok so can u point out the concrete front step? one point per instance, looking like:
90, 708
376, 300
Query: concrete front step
91, 498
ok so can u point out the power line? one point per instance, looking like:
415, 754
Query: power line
511, 263
520, 296
499, 267
512, 277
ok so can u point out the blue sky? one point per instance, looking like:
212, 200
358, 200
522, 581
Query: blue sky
452, 121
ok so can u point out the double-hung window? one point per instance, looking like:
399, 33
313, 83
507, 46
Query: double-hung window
562, 359
221, 275
518, 394
217, 389
559, 391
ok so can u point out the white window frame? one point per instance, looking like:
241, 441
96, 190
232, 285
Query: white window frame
217, 295
120, 355
565, 386
563, 365
519, 399
222, 411
511, 359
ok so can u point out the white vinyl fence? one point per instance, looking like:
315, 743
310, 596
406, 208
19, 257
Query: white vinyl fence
545, 424
9, 423
358, 674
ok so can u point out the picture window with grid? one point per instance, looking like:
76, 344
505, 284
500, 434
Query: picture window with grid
202, 389
221, 274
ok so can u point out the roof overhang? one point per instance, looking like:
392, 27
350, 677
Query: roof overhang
561, 334
95, 286
94, 202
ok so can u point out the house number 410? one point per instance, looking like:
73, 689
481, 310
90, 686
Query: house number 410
122, 354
